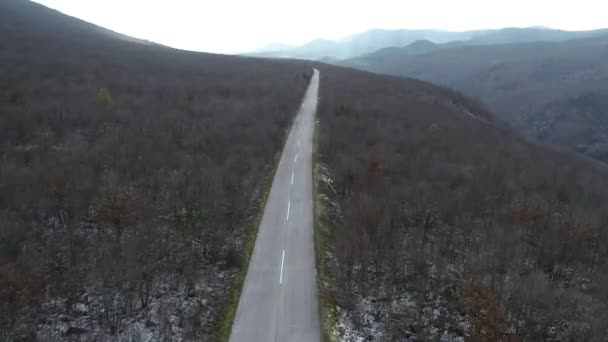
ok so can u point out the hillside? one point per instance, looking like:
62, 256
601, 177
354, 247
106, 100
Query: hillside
22, 18
512, 35
370, 41
436, 225
553, 92
123, 212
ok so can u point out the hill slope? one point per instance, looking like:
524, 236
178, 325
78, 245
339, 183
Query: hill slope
435, 224
124, 211
24, 17
553, 92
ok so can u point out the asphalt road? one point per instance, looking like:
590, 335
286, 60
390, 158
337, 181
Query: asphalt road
279, 297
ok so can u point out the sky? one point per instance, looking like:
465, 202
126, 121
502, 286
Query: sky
234, 26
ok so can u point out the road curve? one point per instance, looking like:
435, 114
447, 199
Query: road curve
279, 298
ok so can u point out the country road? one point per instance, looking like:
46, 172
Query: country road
279, 297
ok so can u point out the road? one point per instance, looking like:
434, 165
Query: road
279, 297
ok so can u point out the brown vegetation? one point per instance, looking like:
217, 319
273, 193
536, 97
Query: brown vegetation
127, 172
470, 220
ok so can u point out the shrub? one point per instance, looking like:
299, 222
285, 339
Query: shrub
485, 310
104, 98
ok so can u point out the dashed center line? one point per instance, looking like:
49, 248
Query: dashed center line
292, 178
288, 207
282, 263
295, 159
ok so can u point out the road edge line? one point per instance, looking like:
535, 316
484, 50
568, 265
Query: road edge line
321, 237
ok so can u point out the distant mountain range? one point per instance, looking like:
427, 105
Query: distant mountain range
549, 84
554, 91
371, 41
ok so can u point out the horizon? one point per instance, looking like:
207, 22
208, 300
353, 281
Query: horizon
218, 28
431, 29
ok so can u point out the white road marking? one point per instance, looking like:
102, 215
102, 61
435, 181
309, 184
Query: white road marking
288, 206
282, 263
292, 178
295, 159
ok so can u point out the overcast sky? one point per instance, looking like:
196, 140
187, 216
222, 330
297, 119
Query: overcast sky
231, 26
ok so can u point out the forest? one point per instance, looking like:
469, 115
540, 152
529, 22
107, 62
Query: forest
130, 175
440, 222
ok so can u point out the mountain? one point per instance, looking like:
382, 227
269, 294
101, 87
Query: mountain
362, 43
418, 47
373, 40
434, 223
25, 17
530, 34
550, 91
131, 177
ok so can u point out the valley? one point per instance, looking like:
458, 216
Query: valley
553, 92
